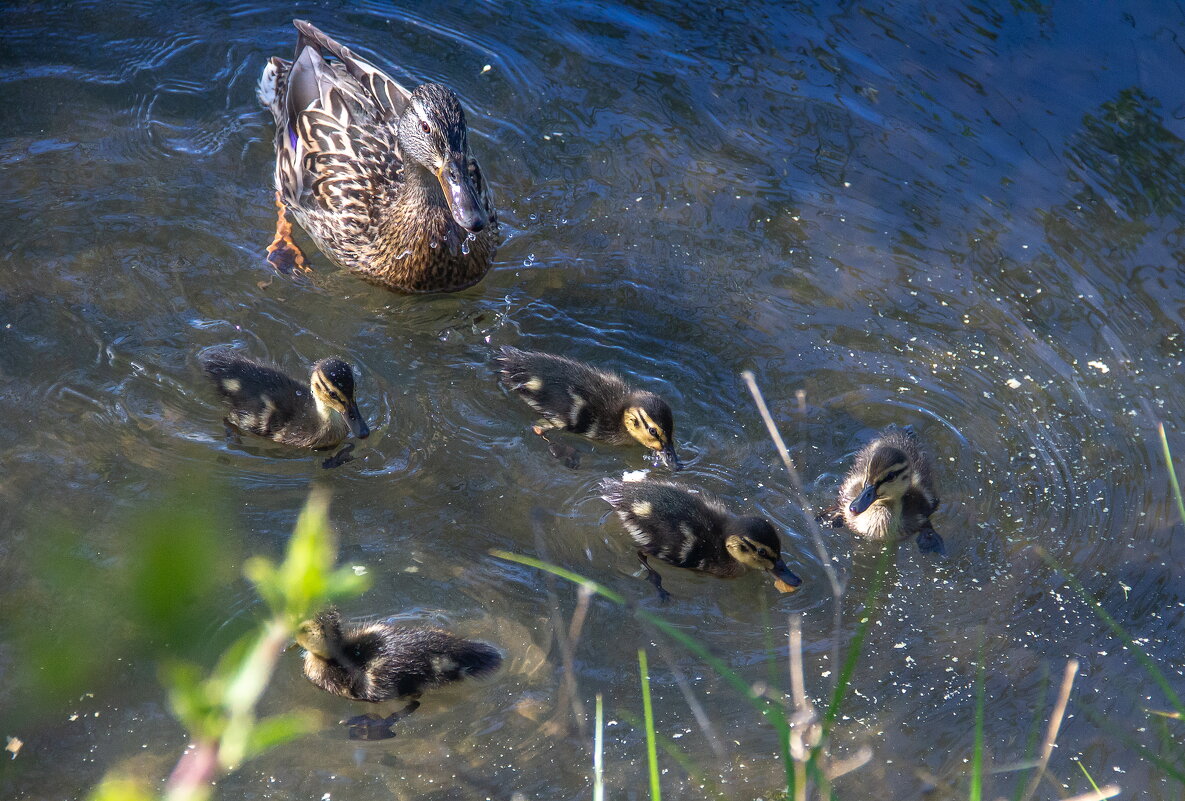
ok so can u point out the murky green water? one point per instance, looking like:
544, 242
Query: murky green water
969, 217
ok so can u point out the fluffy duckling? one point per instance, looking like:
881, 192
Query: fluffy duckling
264, 401
382, 661
889, 491
578, 397
694, 531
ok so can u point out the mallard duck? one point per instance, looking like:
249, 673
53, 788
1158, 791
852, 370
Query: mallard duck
264, 401
382, 661
694, 531
381, 178
889, 492
578, 397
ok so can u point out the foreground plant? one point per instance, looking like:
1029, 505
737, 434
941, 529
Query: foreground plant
218, 710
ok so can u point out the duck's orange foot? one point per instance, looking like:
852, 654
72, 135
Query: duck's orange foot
283, 254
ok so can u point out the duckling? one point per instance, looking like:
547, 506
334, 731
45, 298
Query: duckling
578, 397
264, 401
382, 661
694, 531
889, 491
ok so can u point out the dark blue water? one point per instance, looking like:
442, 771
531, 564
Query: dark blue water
969, 217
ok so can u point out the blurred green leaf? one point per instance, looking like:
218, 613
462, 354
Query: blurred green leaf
279, 729
120, 788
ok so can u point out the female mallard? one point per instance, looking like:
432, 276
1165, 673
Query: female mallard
578, 397
381, 178
382, 661
694, 531
889, 491
264, 401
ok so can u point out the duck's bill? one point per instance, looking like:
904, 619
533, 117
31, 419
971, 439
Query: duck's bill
357, 425
463, 200
784, 579
864, 500
670, 458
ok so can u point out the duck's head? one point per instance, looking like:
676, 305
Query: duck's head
320, 635
432, 134
890, 474
332, 382
755, 544
648, 419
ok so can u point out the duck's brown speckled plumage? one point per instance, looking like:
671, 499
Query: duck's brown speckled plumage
339, 169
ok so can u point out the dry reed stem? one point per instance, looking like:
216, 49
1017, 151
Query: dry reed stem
1051, 731
1106, 791
804, 505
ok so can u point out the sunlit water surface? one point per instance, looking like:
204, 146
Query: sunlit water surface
967, 217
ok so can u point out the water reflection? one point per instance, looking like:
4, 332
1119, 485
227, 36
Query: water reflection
968, 219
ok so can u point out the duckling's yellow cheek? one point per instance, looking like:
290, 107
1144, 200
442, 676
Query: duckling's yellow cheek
231, 385
533, 384
642, 509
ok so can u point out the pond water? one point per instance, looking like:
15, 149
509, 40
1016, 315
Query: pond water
964, 216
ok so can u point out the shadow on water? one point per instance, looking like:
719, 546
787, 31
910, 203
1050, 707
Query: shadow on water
968, 219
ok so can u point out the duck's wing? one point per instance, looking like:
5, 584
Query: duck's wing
336, 133
385, 93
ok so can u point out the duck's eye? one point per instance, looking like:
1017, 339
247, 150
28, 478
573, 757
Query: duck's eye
653, 432
425, 127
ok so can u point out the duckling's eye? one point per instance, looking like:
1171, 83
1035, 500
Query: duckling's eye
425, 127
653, 432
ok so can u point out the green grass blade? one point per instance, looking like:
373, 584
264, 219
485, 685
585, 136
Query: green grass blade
599, 752
648, 715
1168, 461
1086, 773
773, 715
976, 792
1034, 734
1141, 656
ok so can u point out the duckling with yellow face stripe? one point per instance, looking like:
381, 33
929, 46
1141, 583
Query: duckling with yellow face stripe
889, 492
577, 397
694, 531
265, 401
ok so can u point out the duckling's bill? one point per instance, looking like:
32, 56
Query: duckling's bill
669, 458
463, 200
356, 422
865, 499
784, 579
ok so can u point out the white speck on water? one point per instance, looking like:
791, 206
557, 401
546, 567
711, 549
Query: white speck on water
359, 570
1013, 383
484, 70
1100, 366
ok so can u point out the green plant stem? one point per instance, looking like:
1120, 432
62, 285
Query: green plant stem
1145, 661
648, 716
599, 752
976, 792
1168, 462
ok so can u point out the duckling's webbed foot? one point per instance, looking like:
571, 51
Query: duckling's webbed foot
283, 254
654, 578
830, 517
339, 458
930, 542
370, 727
373, 727
559, 450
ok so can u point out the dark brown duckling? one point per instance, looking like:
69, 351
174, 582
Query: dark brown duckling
382, 661
694, 531
889, 492
265, 401
577, 397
